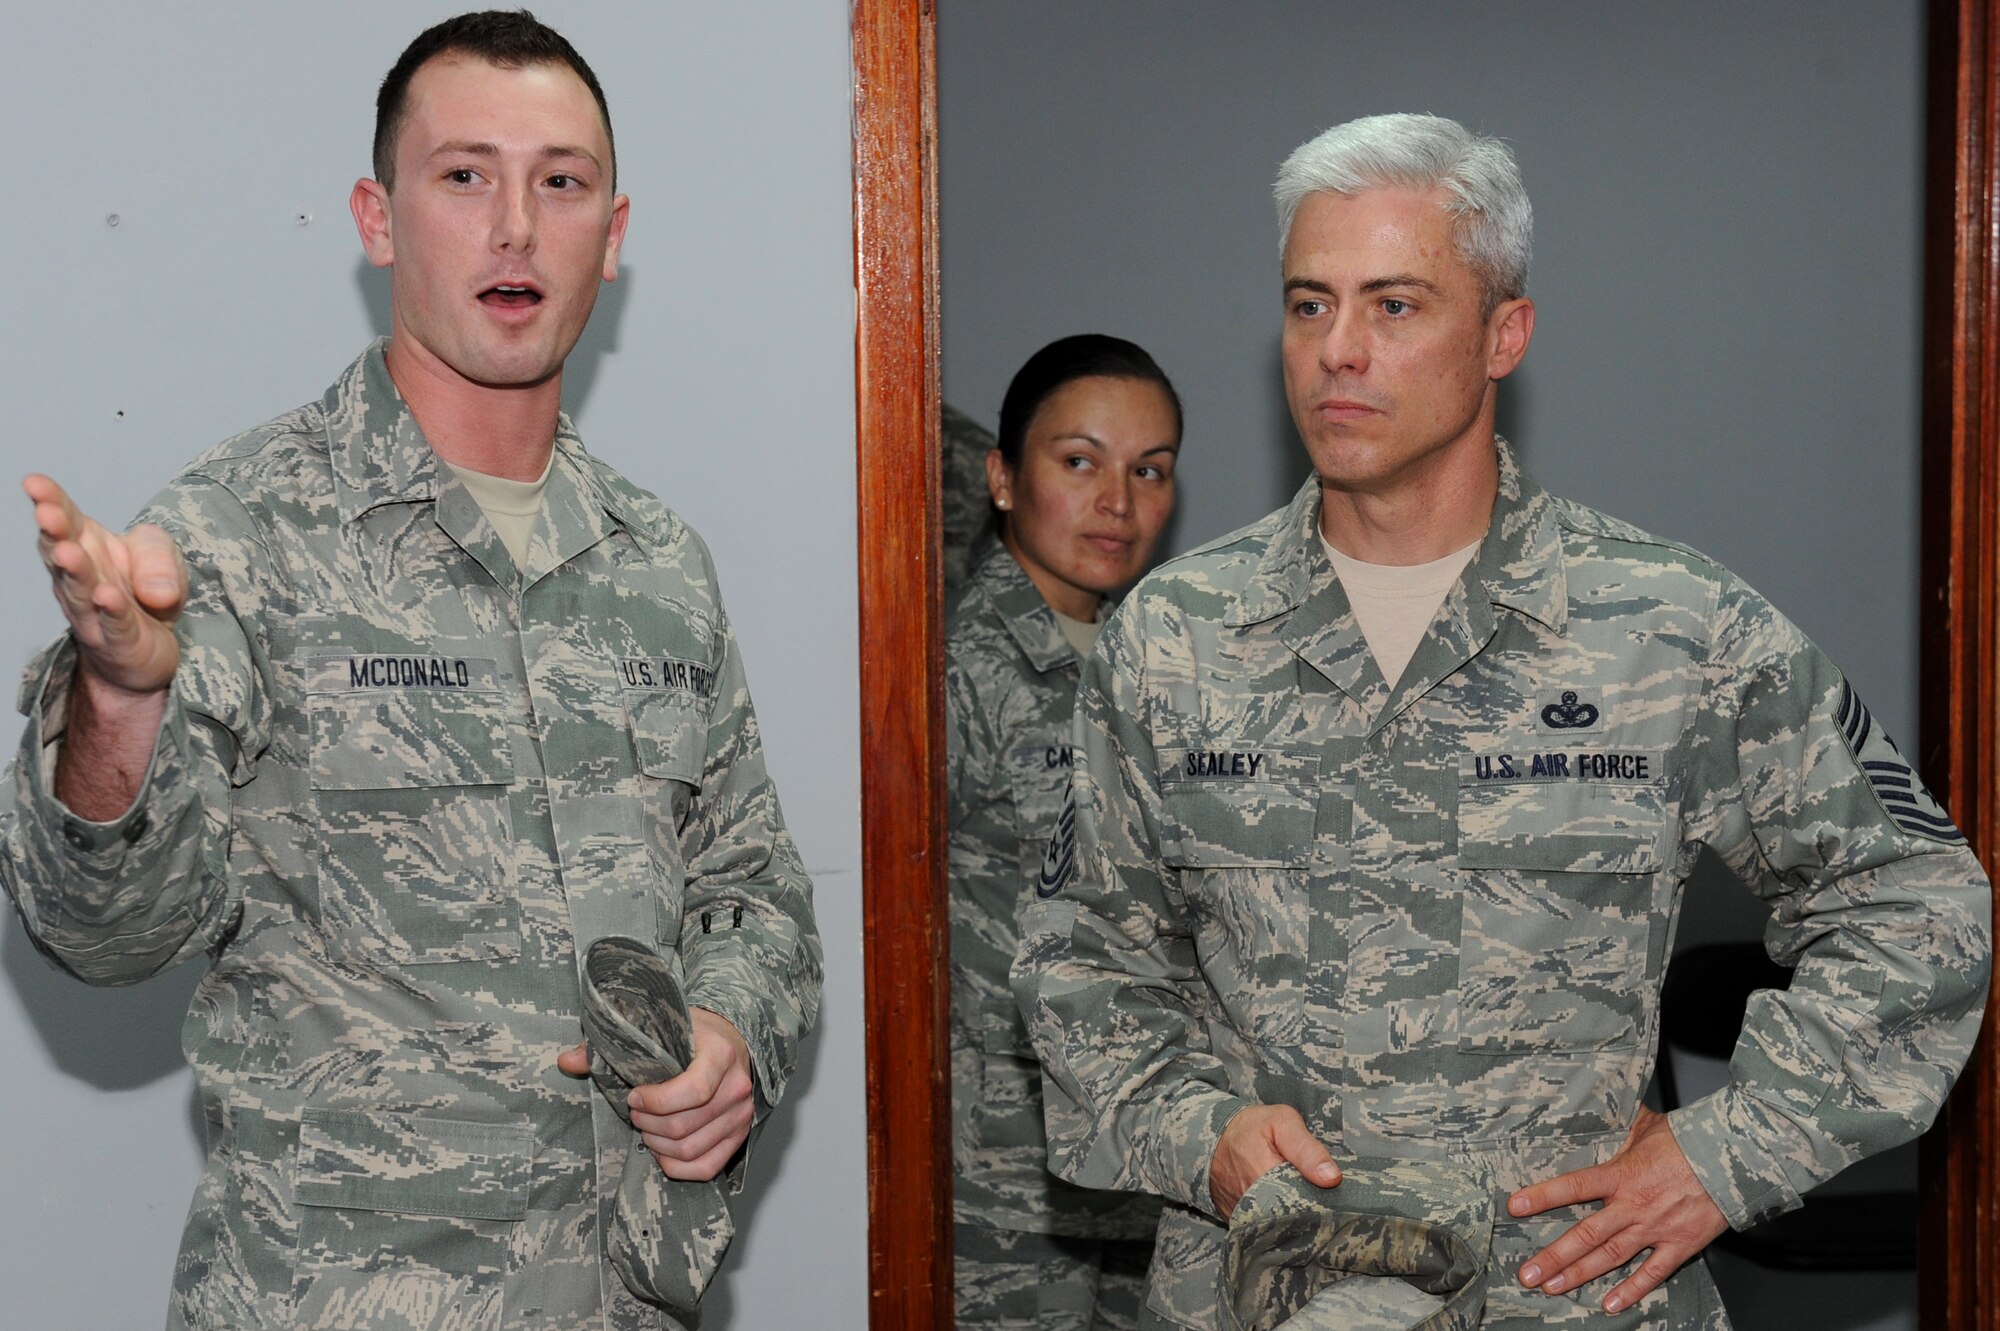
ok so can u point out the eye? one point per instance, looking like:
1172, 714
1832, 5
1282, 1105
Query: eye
1309, 309
463, 175
1077, 461
1394, 307
562, 180
1153, 472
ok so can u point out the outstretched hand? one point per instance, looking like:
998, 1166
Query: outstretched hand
695, 1123
120, 593
1652, 1199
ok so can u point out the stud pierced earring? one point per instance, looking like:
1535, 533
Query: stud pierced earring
1005, 504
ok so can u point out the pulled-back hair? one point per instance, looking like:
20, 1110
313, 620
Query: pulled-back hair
1081, 356
509, 38
1492, 221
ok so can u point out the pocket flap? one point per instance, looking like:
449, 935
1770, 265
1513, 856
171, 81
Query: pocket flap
376, 1160
1556, 827
670, 734
1215, 824
393, 741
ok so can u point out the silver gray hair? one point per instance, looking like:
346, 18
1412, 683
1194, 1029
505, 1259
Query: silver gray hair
1492, 221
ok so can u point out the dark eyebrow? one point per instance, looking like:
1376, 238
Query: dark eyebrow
1400, 280
472, 148
1312, 284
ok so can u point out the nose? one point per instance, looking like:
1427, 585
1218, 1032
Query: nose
514, 218
1344, 348
1114, 494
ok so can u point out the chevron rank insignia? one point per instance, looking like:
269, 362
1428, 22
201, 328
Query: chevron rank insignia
1897, 788
1060, 862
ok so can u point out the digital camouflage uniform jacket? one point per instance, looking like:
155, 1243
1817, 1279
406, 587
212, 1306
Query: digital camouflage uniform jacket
1010, 682
396, 785
1434, 916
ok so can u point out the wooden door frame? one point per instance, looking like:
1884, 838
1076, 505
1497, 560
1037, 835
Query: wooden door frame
897, 402
901, 612
1959, 1238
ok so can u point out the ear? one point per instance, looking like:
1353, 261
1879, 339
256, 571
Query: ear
999, 484
1509, 331
369, 202
614, 241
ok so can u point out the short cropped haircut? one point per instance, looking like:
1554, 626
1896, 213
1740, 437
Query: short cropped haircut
1492, 221
1083, 356
509, 38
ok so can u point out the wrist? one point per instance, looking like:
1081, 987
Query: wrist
110, 701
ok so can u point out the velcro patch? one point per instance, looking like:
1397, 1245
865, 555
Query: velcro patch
1896, 787
1569, 712
1059, 864
1053, 756
667, 674
1629, 767
340, 672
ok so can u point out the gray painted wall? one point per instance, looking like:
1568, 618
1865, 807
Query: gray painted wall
717, 372
1727, 280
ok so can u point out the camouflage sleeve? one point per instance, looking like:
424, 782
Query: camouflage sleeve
115, 902
984, 872
1106, 975
748, 941
1875, 899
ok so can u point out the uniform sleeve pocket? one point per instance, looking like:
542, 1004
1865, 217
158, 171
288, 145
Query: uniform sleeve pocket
1216, 825
413, 1164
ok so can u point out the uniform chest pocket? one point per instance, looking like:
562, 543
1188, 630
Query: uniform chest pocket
410, 789
1559, 880
1241, 849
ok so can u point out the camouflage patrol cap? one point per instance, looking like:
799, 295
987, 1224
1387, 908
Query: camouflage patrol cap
634, 1019
666, 1236
1398, 1245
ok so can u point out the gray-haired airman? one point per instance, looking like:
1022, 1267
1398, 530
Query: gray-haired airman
1312, 904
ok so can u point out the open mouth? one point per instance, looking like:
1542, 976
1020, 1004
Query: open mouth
510, 297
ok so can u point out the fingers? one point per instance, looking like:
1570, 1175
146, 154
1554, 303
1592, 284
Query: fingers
1577, 1186
691, 1090
709, 1145
575, 1061
56, 517
1294, 1142
707, 1165
1652, 1201
1253, 1142
154, 570
1652, 1274
1586, 1250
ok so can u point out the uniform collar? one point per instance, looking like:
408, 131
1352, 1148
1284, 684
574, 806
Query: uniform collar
1023, 610
379, 456
1518, 568
1519, 565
